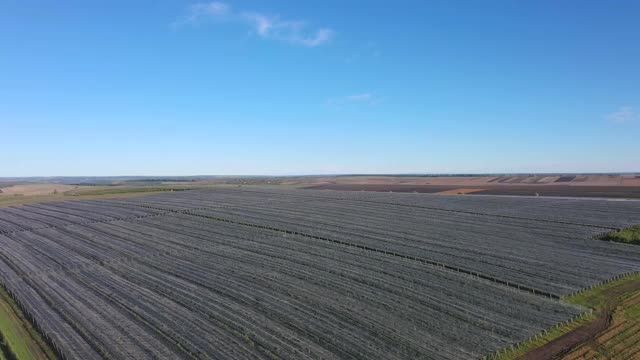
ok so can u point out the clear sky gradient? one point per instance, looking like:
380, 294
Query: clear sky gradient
315, 87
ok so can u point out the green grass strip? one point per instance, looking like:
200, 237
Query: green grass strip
18, 339
593, 299
630, 235
541, 339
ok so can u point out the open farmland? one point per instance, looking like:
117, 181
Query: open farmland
305, 274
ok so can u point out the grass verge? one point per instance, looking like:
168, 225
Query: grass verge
630, 235
598, 299
621, 339
18, 338
543, 338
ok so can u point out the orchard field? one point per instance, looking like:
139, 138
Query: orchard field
236, 273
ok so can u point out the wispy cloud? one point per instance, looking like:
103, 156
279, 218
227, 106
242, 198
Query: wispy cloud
199, 12
319, 37
359, 97
624, 114
264, 25
362, 98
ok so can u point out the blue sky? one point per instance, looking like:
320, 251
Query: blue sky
314, 87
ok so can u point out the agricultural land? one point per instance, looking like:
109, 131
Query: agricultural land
254, 272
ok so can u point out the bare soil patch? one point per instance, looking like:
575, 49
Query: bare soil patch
37, 189
563, 345
621, 340
460, 191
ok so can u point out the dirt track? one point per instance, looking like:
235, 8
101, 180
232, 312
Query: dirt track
561, 346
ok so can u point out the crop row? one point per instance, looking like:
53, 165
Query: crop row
602, 213
37, 216
185, 286
548, 256
304, 274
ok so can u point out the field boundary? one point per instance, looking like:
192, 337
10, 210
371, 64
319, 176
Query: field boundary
508, 352
627, 235
512, 351
601, 283
5, 351
43, 342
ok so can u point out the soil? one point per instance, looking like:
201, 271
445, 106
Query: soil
561, 346
37, 189
460, 191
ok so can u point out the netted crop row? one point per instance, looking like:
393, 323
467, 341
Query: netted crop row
597, 213
304, 274
37, 216
179, 285
548, 256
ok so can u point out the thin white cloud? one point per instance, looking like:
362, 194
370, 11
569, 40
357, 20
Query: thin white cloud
321, 36
199, 12
265, 26
202, 11
359, 97
209, 9
262, 24
362, 98
624, 114
295, 32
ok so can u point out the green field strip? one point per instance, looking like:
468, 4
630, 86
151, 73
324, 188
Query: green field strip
18, 338
629, 235
592, 298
